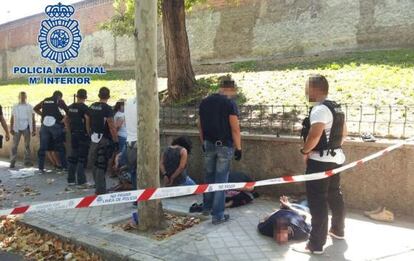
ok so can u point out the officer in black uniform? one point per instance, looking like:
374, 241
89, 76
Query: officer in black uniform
51, 129
104, 138
324, 132
76, 122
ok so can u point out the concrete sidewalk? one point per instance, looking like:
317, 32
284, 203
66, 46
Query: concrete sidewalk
234, 240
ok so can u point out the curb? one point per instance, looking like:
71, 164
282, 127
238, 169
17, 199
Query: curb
108, 251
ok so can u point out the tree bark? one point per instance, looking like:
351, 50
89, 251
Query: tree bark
150, 213
181, 78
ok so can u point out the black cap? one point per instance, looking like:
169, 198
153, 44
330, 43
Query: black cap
82, 94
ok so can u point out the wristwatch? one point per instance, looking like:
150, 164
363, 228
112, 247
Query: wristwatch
303, 153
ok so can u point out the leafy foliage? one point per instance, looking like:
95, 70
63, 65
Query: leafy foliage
122, 23
204, 87
17, 237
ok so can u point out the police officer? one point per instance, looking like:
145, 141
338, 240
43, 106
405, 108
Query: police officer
51, 129
220, 135
76, 122
104, 138
324, 131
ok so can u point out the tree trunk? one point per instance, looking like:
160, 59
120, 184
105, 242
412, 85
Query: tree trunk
150, 213
181, 78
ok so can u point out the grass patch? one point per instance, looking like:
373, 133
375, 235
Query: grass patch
367, 78
248, 66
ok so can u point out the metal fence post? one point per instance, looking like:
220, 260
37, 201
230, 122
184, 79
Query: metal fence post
405, 120
360, 119
389, 121
375, 120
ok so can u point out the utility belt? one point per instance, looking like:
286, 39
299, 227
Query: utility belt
79, 133
221, 143
329, 151
74, 131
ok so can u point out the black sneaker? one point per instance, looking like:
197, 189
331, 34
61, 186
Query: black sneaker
219, 221
12, 165
196, 208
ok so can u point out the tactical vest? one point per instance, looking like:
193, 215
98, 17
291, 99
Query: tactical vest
77, 122
50, 108
336, 134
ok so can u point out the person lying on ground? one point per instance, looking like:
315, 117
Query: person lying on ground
240, 197
296, 217
235, 197
174, 161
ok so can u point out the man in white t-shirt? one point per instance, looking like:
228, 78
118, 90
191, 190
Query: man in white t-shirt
22, 123
131, 124
324, 132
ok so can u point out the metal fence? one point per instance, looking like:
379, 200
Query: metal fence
382, 121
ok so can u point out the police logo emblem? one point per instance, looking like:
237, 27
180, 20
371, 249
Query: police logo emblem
59, 36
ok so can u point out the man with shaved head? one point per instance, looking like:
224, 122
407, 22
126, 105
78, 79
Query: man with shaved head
324, 132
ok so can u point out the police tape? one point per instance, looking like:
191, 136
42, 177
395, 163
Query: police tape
170, 192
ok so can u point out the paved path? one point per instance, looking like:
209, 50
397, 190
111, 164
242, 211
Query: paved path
234, 240
10, 256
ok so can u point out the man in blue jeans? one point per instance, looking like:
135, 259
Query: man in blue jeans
51, 128
220, 135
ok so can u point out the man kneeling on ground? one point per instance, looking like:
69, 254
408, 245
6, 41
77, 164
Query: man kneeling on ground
294, 217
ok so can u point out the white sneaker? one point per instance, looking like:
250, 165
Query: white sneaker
40, 171
385, 216
303, 248
336, 236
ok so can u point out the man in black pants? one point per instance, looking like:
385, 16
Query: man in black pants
324, 132
77, 122
104, 138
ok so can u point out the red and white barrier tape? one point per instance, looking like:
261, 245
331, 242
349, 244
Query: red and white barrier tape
169, 192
